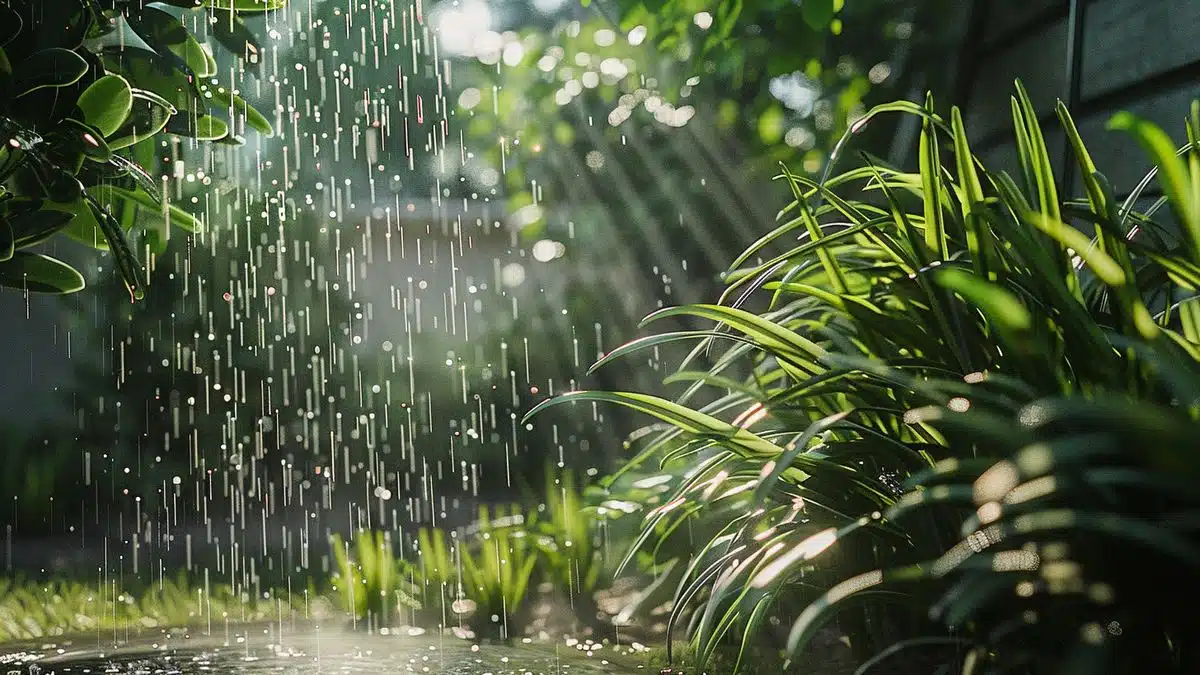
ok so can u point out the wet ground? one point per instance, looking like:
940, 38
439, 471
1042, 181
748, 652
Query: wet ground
268, 649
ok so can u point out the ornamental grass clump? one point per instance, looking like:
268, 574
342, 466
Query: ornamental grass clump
952, 411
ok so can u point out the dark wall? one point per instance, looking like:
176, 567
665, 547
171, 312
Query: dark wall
1136, 55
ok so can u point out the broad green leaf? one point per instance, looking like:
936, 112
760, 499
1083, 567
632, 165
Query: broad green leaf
83, 227
46, 69
86, 139
166, 35
177, 216
106, 104
199, 127
38, 273
231, 31
35, 226
238, 107
149, 115
148, 71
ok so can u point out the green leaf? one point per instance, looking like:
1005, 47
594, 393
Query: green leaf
38, 273
147, 70
1172, 173
931, 185
127, 263
770, 335
35, 226
237, 107
248, 5
48, 68
231, 31
86, 139
149, 114
995, 302
7, 239
817, 13
106, 104
689, 420
177, 216
83, 227
166, 35
200, 127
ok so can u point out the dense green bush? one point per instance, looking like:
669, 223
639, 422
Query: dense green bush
80, 109
949, 419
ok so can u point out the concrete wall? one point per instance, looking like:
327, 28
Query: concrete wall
1137, 55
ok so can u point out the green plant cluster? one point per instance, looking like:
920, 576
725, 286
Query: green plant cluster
86, 86
951, 411
485, 577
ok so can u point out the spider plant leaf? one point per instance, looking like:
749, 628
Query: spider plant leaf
686, 419
768, 334
860, 590
978, 238
1172, 173
833, 272
931, 186
1037, 157
1006, 313
651, 341
800, 445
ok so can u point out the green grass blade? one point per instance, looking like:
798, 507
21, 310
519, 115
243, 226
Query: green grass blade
1172, 173
931, 186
